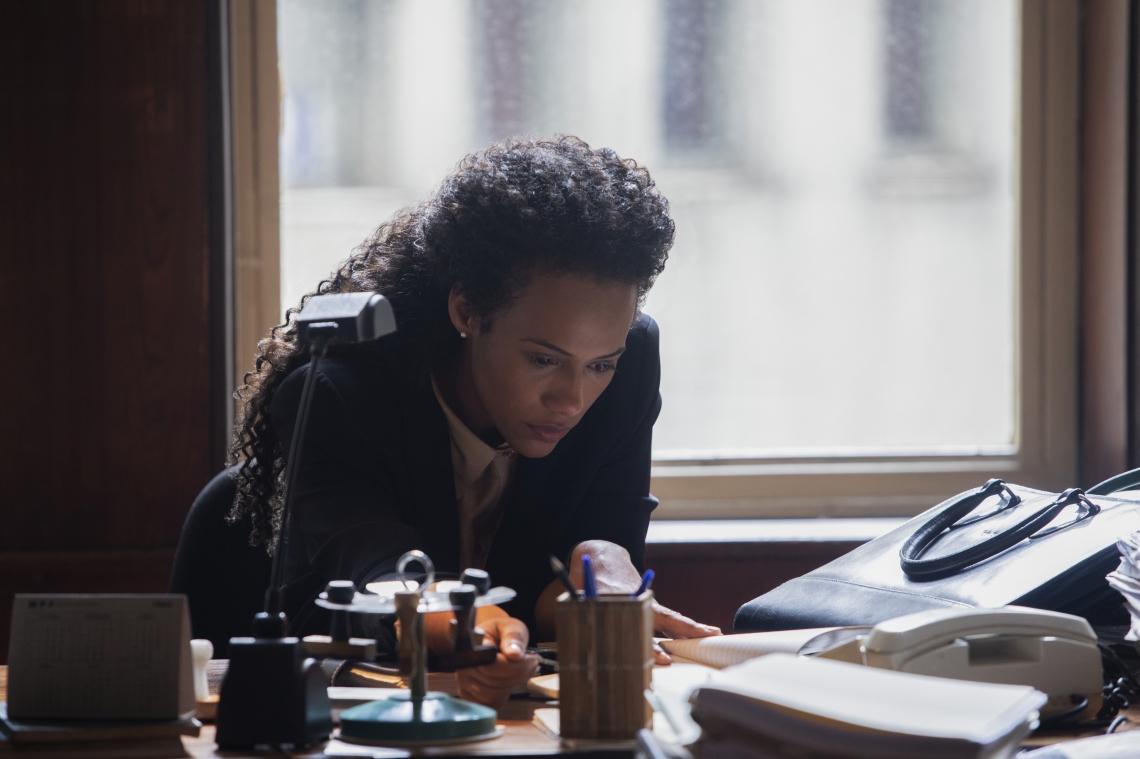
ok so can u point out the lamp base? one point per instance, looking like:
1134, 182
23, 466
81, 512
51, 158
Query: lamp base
273, 695
399, 719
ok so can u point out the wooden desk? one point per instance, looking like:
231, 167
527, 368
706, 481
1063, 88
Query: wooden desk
522, 739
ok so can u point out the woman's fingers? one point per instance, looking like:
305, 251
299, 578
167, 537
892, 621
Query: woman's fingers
509, 634
493, 677
675, 625
512, 636
472, 689
503, 674
492, 684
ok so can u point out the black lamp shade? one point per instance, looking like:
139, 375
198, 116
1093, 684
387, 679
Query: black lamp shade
358, 316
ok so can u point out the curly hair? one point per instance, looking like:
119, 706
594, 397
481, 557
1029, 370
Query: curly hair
506, 212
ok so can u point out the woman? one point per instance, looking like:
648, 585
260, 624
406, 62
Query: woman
509, 418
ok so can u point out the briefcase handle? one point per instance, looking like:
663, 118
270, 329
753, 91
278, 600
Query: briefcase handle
1033, 527
1128, 481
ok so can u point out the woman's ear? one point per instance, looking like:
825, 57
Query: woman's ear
460, 312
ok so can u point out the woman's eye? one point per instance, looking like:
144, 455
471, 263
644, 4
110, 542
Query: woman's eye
603, 368
543, 361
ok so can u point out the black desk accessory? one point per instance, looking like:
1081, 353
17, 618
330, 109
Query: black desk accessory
477, 578
469, 651
337, 644
273, 693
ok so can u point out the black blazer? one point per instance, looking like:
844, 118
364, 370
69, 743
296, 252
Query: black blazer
375, 480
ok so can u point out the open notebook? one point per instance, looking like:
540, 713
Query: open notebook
792, 705
727, 650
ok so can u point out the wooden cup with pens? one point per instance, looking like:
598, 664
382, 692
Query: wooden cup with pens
605, 659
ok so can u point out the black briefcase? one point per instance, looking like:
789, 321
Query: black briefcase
997, 545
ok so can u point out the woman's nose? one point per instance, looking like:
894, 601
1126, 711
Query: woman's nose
564, 396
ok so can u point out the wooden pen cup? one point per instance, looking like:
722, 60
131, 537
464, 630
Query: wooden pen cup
605, 665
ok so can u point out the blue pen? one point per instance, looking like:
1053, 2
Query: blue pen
646, 581
589, 585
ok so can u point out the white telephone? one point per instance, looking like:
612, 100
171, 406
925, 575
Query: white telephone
1055, 653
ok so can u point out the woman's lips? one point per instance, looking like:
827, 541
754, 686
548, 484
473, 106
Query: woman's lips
547, 433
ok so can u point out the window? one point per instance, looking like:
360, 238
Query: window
870, 301
692, 77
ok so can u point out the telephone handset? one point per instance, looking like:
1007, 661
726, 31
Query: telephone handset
1055, 653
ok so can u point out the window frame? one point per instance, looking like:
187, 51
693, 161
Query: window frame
256, 204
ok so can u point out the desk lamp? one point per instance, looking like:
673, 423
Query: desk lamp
273, 693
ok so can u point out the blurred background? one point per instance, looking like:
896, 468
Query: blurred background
841, 175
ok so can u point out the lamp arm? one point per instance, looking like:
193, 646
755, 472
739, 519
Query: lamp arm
320, 336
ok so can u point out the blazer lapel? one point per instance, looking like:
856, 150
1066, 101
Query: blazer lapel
428, 461
536, 509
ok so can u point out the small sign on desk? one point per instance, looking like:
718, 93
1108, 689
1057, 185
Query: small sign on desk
100, 657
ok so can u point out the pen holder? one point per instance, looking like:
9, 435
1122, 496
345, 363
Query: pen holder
605, 665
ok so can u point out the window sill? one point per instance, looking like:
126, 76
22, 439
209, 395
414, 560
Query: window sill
839, 488
681, 531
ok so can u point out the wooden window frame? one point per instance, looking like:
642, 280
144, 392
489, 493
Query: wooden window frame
256, 126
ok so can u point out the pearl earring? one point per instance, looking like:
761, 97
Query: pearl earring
463, 334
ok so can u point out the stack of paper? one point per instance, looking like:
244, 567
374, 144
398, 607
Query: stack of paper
1126, 579
781, 706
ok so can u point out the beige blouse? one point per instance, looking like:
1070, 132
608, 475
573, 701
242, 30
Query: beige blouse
483, 477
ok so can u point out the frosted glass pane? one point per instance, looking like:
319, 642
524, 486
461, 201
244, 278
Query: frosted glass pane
841, 173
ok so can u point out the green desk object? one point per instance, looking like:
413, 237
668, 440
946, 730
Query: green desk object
404, 719
416, 715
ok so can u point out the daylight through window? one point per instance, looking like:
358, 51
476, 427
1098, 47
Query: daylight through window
842, 174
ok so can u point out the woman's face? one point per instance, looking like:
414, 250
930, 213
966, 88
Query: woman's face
545, 359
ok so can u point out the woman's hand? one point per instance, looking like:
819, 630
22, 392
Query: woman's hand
614, 573
492, 684
677, 626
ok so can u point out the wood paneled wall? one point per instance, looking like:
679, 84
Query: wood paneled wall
107, 428
710, 581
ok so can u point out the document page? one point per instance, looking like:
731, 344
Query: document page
727, 650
